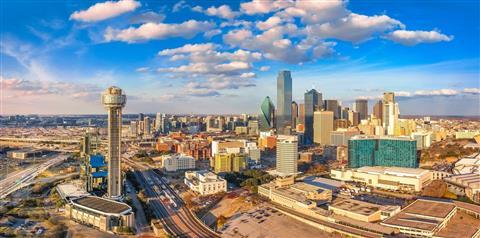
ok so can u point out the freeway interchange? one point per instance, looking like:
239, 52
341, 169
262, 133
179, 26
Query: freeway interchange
23, 178
167, 206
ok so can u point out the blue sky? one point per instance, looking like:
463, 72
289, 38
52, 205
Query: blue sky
223, 57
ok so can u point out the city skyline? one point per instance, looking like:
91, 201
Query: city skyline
187, 58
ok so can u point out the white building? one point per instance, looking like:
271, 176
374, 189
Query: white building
175, 162
389, 178
205, 182
424, 139
467, 165
287, 155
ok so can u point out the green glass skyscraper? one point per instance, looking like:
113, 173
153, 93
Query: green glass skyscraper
267, 114
382, 151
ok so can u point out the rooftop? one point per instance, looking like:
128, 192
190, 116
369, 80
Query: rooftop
355, 206
460, 225
370, 137
397, 171
102, 204
422, 214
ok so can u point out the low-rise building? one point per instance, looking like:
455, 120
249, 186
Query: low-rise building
225, 162
205, 182
101, 213
389, 178
300, 195
358, 210
465, 185
176, 162
436, 218
467, 165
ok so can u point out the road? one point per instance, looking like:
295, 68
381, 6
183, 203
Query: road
167, 206
142, 226
23, 178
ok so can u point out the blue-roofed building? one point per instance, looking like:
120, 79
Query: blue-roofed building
96, 172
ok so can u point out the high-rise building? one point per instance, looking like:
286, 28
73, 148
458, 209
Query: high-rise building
226, 162
332, 105
158, 121
311, 105
140, 116
390, 113
353, 118
378, 110
322, 126
361, 106
113, 100
382, 151
301, 113
294, 114
287, 155
147, 123
267, 115
284, 102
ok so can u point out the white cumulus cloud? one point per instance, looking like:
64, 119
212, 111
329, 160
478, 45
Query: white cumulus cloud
158, 31
105, 10
411, 38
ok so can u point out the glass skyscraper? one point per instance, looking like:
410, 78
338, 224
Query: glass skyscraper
382, 151
311, 103
267, 114
284, 102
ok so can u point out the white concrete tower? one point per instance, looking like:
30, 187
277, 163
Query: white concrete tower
113, 100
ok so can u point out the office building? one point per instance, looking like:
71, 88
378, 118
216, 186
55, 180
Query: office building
382, 151
294, 114
287, 155
113, 100
225, 162
90, 144
284, 102
388, 178
322, 127
147, 126
424, 139
267, 115
311, 104
103, 214
340, 137
332, 106
353, 118
390, 114
158, 122
176, 162
378, 110
301, 114
205, 182
361, 106
252, 127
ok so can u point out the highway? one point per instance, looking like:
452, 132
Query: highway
23, 178
167, 206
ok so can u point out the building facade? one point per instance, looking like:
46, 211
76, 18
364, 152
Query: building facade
175, 162
382, 151
287, 155
205, 183
284, 102
311, 104
322, 127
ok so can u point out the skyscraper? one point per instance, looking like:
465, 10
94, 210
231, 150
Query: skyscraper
311, 104
378, 110
113, 100
284, 102
322, 126
361, 106
301, 113
147, 123
332, 105
267, 114
390, 113
287, 155
158, 121
294, 114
